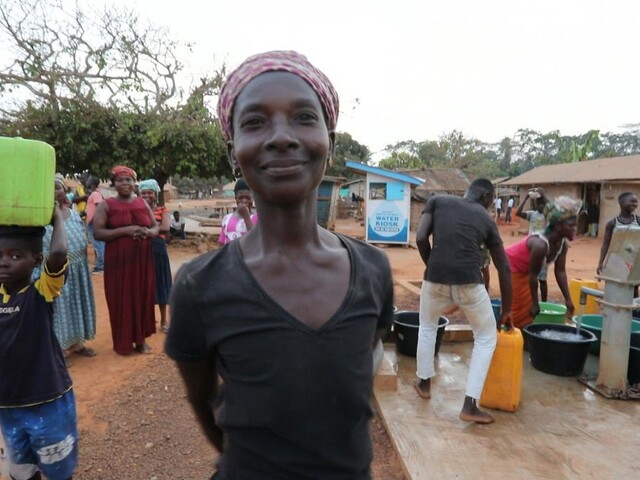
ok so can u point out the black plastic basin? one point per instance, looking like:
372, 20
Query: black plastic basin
406, 325
558, 357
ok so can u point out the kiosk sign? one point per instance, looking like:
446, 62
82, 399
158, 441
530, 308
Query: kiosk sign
387, 214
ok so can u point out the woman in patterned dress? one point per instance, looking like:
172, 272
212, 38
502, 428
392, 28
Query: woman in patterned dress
74, 319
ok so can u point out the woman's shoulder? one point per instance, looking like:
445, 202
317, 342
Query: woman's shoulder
227, 217
537, 240
364, 251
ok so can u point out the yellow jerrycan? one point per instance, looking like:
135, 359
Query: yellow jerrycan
575, 286
504, 380
27, 168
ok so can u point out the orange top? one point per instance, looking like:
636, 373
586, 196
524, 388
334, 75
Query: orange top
158, 212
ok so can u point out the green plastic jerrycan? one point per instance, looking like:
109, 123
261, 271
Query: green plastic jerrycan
27, 169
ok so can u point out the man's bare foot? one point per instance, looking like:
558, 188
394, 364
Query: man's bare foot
423, 387
471, 413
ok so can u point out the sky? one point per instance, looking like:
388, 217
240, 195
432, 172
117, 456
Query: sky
415, 69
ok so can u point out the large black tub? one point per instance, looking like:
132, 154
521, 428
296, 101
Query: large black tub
565, 358
406, 325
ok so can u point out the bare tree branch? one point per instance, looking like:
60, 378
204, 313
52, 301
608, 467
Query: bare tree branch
108, 56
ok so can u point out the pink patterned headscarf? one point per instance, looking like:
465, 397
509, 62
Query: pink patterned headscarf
124, 170
280, 61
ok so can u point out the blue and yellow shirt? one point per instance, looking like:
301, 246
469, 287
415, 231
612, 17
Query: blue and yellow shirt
32, 365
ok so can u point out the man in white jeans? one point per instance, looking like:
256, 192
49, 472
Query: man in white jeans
453, 276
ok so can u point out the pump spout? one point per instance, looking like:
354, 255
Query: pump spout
584, 291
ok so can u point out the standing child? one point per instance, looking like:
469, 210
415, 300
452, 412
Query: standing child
628, 203
537, 224
37, 406
507, 217
497, 203
592, 212
80, 196
238, 223
288, 315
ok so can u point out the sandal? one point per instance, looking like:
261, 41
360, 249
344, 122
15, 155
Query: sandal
85, 352
164, 328
144, 348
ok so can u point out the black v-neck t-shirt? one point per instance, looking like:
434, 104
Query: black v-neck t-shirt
295, 401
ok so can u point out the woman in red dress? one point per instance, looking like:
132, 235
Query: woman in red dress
126, 223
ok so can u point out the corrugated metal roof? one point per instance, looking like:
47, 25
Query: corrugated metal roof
598, 170
359, 167
440, 179
499, 180
359, 180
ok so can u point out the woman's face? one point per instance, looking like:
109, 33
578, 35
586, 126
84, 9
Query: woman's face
629, 204
244, 197
568, 228
280, 141
60, 194
124, 185
149, 196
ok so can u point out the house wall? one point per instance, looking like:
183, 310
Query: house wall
609, 192
328, 193
170, 194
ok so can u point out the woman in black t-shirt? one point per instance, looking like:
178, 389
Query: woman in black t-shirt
288, 314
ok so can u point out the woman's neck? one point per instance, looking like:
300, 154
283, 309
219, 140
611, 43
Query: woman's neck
296, 227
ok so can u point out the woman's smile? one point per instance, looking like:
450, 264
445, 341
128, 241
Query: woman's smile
283, 167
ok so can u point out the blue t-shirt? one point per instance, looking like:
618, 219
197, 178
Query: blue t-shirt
32, 365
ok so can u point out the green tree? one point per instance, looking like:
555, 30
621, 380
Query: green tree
473, 157
347, 148
505, 154
413, 155
74, 54
96, 137
401, 160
